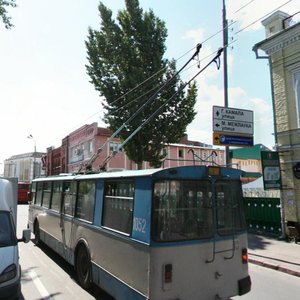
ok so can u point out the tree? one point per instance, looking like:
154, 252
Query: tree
126, 65
3, 12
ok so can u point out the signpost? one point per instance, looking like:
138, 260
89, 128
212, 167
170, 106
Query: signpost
232, 126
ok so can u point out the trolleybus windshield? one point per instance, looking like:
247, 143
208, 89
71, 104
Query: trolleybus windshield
186, 210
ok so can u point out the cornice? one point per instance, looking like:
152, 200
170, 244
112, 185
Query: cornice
282, 40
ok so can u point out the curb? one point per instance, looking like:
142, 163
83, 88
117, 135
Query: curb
274, 267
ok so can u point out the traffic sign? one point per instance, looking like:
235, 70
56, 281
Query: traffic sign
233, 126
233, 120
223, 139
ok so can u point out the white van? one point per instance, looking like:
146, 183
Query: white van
10, 270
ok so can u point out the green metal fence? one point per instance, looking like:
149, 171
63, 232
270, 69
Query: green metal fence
263, 215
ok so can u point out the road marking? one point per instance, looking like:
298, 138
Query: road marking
40, 287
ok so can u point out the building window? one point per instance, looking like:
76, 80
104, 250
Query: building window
296, 85
76, 153
180, 153
90, 146
113, 146
272, 29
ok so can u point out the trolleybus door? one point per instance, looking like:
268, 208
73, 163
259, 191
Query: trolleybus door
67, 216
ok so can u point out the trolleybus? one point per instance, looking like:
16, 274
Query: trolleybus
176, 233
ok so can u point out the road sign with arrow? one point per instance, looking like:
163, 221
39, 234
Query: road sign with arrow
232, 126
233, 120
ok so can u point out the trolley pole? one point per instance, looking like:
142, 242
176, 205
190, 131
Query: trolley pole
225, 75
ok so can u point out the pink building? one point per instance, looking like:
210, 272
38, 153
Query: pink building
80, 145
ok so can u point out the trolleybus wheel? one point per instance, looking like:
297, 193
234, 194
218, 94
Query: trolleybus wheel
37, 239
83, 267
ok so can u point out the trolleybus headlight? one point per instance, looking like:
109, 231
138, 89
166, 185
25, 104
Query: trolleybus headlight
9, 273
244, 255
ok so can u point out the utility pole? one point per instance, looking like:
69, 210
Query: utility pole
225, 76
30, 136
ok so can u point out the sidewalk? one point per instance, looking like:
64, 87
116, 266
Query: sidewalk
275, 254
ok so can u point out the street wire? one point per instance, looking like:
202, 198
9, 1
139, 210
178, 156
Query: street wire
141, 108
216, 59
264, 16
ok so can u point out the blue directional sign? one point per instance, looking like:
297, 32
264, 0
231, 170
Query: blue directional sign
232, 140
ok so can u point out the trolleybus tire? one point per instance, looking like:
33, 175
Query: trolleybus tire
83, 267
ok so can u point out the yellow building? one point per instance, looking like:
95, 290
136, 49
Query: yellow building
282, 48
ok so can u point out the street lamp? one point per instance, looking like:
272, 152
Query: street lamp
30, 136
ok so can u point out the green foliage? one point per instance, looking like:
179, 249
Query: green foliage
3, 12
122, 56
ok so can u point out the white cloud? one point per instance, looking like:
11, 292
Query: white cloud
249, 14
195, 35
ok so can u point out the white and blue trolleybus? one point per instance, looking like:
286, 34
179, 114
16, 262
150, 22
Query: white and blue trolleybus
176, 233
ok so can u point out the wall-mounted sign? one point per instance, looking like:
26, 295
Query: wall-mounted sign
271, 170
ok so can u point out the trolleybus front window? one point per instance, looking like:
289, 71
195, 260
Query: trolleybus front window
182, 210
230, 215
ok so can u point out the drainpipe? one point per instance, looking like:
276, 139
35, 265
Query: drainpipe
255, 49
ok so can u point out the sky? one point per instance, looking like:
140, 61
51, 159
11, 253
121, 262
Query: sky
45, 91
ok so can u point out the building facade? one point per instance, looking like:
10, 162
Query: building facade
282, 48
248, 159
25, 166
81, 145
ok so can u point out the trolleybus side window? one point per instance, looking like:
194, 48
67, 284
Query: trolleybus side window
39, 193
47, 190
182, 210
118, 205
33, 192
56, 195
229, 207
86, 200
69, 197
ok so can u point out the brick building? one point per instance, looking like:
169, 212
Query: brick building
80, 145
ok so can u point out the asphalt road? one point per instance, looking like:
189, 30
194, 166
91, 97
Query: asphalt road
45, 275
